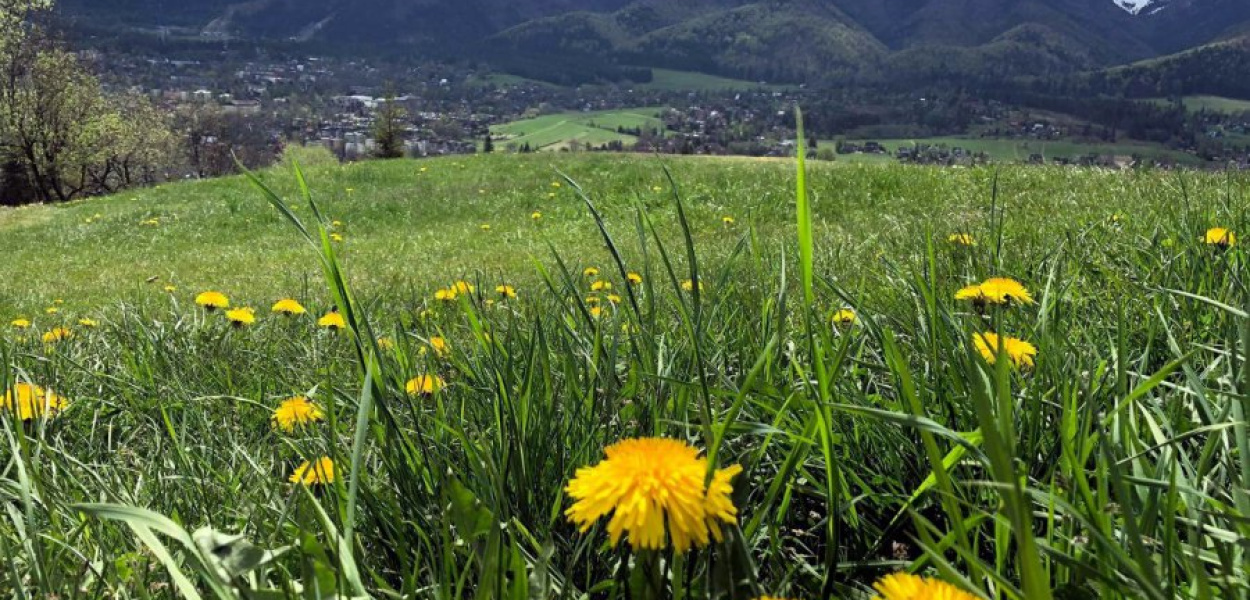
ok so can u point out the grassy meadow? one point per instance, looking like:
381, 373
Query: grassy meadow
799, 324
557, 131
1010, 150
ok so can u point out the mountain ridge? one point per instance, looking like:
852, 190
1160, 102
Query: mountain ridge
784, 40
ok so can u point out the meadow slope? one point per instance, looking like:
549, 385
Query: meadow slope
821, 367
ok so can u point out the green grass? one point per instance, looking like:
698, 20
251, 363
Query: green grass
1115, 467
1009, 150
553, 132
1211, 104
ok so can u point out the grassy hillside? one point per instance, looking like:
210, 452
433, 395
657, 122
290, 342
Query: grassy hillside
554, 132
797, 392
1008, 150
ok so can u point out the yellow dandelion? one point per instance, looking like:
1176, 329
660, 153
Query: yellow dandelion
445, 295
424, 385
464, 287
88, 323
656, 188
647, 483
596, 311
289, 307
439, 345
996, 290
484, 226
150, 222
240, 317
592, 299
332, 320
20, 323
28, 402
845, 316
51, 310
961, 239
688, 285
294, 412
320, 472
727, 220
337, 237
336, 223
386, 343
600, 285
633, 278
590, 272
505, 291
169, 289
58, 302
57, 334
212, 300
1018, 351
905, 586
1219, 236
555, 184
613, 298
536, 215
551, 195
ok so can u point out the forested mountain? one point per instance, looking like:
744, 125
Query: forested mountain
814, 41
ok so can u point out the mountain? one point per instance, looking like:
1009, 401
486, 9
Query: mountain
782, 40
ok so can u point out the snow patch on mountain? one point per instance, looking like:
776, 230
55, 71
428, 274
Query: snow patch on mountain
1134, 6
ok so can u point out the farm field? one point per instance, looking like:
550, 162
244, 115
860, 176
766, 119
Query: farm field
1211, 104
1008, 150
718, 382
553, 132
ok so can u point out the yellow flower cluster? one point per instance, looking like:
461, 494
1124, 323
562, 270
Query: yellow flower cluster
29, 402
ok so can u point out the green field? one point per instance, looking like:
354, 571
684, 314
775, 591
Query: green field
1007, 150
1211, 104
554, 132
827, 418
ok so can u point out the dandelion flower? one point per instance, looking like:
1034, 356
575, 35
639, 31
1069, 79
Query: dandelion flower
592, 299
439, 345
536, 215
1019, 352
551, 195
289, 307
445, 295
337, 237
613, 298
600, 285
464, 287
590, 272
961, 239
57, 334
905, 586
296, 412
212, 300
320, 472
336, 223
169, 289
332, 320
29, 402
596, 311
505, 291
424, 385
20, 323
688, 285
727, 220
1219, 236
88, 323
845, 316
648, 483
386, 343
58, 302
51, 310
555, 184
633, 278
996, 290
240, 317
484, 226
